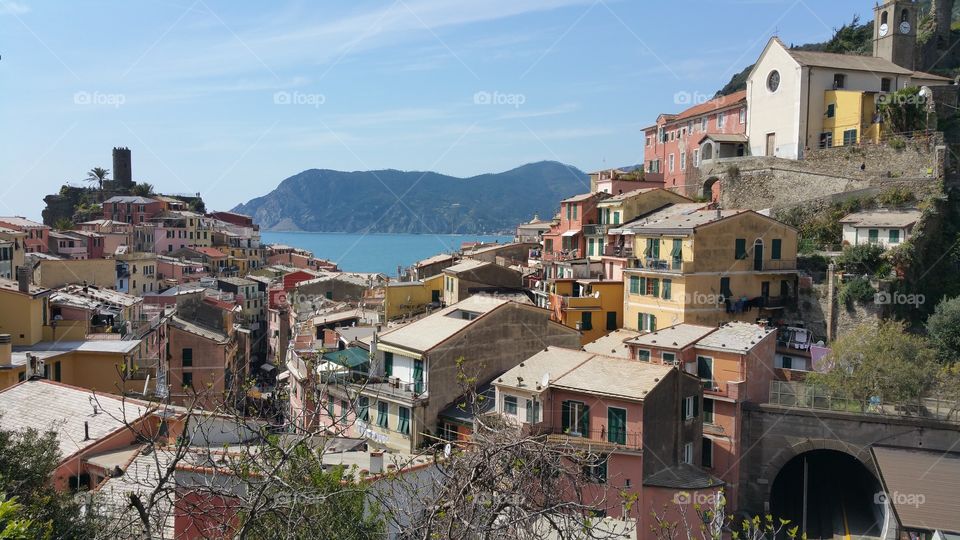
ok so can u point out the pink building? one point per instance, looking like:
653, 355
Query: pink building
678, 145
638, 421
177, 272
735, 362
131, 209
37, 233
297, 258
565, 240
94, 242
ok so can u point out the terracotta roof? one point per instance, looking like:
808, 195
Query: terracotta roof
725, 137
897, 219
716, 104
209, 251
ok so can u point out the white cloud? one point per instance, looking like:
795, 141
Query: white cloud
8, 7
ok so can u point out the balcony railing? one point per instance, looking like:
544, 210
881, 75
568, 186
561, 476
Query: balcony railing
595, 230
618, 251
600, 439
776, 265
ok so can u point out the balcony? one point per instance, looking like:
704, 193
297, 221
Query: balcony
595, 230
667, 266
625, 252
780, 265
594, 440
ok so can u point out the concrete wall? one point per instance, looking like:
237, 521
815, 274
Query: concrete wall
55, 274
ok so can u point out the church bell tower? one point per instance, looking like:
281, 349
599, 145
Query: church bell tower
895, 32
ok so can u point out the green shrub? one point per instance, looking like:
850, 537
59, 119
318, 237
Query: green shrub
862, 259
856, 290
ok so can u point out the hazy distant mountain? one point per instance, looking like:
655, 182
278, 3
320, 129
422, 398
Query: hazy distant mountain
321, 200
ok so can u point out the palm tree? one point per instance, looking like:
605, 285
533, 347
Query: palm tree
143, 189
98, 175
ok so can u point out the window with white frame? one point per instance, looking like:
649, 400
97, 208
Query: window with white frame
743, 115
688, 453
510, 404
703, 124
683, 161
689, 407
670, 162
668, 358
533, 411
720, 120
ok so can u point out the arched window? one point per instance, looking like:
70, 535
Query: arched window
905, 15
883, 18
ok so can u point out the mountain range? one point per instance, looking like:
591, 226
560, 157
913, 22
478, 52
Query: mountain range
392, 201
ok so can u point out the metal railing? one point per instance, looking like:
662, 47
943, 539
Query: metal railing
803, 395
591, 437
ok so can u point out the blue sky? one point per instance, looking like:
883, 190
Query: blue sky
229, 98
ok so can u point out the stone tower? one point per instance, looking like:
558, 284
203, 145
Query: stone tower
895, 32
122, 168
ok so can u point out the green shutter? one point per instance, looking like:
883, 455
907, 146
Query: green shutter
643, 285
775, 249
418, 376
585, 420
894, 236
667, 286
565, 416
617, 425
616, 218
741, 248
634, 285
656, 287
646, 250
677, 250
653, 323
655, 252
388, 364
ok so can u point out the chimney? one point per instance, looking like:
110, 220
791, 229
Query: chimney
376, 462
719, 213
6, 349
86, 430
23, 279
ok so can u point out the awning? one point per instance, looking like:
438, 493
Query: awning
573, 232
283, 376
352, 357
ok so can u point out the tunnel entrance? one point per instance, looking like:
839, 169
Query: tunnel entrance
841, 496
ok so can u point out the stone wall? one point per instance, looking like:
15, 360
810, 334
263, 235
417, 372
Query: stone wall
768, 182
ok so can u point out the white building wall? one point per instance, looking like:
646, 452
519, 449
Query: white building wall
775, 112
861, 235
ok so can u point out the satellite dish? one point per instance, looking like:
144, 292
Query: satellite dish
545, 380
447, 449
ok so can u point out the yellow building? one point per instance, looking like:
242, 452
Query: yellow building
54, 273
405, 298
708, 267
621, 209
95, 364
23, 311
850, 117
592, 306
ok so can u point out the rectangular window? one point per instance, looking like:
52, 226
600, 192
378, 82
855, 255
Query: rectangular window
725, 287
388, 364
533, 411
586, 320
643, 355
831, 110
689, 407
643, 285
668, 358
404, 423
839, 81
885, 84
653, 287
873, 236
331, 408
703, 124
776, 246
510, 404
720, 120
363, 408
575, 418
696, 157
57, 372
850, 137
569, 211
740, 248
743, 116
706, 455
683, 161
688, 453
383, 414
187, 357
705, 370
611, 320
617, 425
708, 411
596, 471
616, 218
574, 212
635, 285
188, 380
344, 409
894, 236
670, 162
647, 322
667, 286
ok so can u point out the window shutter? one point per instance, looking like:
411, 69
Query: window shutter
656, 288
775, 249
667, 285
585, 420
565, 416
653, 323
741, 248
696, 406
643, 285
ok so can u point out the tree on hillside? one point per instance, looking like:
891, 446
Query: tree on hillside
943, 327
143, 189
27, 460
851, 38
883, 362
97, 175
